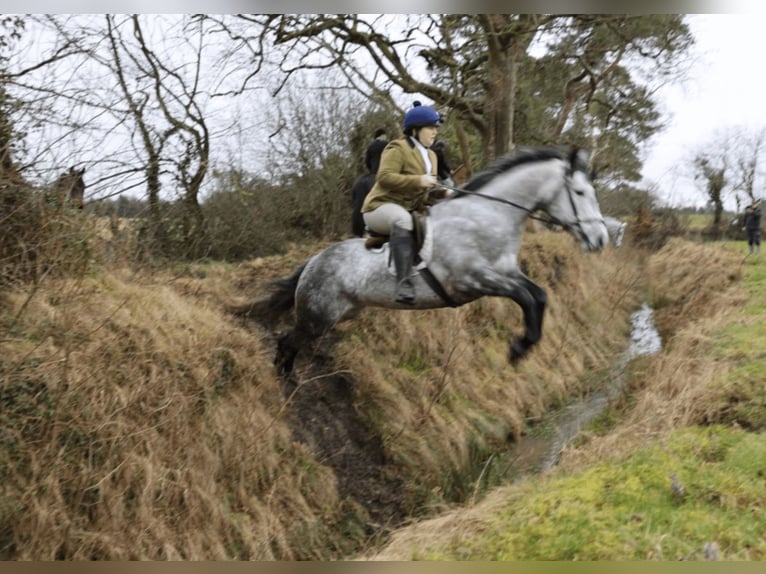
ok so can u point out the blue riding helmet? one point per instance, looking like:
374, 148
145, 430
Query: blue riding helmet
420, 116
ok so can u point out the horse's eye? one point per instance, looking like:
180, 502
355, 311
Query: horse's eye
579, 191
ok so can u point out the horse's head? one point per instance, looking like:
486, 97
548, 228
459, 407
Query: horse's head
71, 186
576, 205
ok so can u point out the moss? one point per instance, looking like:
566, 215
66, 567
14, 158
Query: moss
628, 511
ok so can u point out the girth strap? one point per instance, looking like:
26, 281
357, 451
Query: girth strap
434, 284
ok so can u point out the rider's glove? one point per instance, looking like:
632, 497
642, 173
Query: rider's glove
427, 181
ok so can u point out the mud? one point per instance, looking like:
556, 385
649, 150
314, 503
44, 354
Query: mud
321, 414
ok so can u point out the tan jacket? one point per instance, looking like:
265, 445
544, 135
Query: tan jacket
398, 178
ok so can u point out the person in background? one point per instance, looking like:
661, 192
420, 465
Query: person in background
753, 227
364, 183
443, 170
408, 169
376, 147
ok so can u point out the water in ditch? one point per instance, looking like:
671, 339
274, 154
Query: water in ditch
542, 450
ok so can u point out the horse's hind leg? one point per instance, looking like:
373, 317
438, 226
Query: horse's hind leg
287, 351
308, 328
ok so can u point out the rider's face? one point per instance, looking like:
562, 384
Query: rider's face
427, 135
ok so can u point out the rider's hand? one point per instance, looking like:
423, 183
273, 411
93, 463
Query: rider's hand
427, 181
437, 193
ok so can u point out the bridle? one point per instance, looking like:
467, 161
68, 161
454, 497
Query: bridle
549, 219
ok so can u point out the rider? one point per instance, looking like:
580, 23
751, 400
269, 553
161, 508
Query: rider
408, 168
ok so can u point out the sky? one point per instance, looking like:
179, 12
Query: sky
726, 87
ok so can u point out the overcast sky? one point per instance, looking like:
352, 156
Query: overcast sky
726, 88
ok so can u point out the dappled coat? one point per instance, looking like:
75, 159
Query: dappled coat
398, 179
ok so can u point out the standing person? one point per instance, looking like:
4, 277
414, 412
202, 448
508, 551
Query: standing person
364, 183
408, 168
753, 227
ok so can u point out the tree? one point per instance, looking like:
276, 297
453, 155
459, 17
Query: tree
731, 165
609, 64
149, 87
750, 148
712, 171
470, 63
172, 87
20, 110
11, 29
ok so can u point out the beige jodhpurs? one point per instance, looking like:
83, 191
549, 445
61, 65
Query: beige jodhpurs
383, 218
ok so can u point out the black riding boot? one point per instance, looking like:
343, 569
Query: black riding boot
402, 248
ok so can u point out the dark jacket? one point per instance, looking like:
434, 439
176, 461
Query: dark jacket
359, 191
444, 170
372, 155
753, 218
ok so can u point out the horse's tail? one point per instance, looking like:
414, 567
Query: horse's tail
270, 309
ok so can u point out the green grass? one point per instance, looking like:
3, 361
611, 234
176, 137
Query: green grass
743, 343
627, 511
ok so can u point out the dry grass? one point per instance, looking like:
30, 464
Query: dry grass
144, 425
141, 422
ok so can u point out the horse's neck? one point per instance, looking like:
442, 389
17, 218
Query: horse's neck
527, 186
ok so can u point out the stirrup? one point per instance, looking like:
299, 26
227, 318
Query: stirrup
405, 292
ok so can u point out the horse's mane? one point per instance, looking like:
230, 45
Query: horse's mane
519, 157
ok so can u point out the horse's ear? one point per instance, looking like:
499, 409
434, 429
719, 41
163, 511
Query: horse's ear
579, 159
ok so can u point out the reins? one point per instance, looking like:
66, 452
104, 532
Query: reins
549, 220
531, 212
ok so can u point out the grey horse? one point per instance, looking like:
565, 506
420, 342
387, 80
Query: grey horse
616, 229
470, 251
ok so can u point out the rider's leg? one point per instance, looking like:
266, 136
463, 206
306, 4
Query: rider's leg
395, 221
402, 247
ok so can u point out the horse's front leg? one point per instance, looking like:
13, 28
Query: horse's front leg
529, 296
532, 300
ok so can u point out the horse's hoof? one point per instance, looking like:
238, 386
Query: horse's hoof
283, 367
516, 352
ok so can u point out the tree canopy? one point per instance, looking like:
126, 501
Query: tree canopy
158, 103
